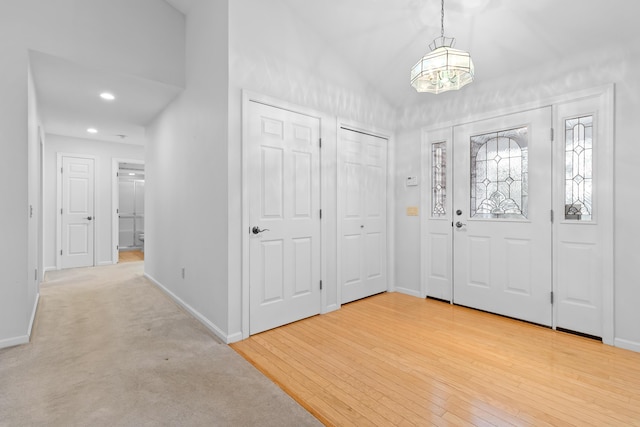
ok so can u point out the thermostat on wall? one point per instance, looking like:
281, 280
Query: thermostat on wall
412, 181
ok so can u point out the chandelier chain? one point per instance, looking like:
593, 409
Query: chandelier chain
442, 18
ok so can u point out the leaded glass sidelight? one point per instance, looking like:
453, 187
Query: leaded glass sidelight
578, 168
439, 179
499, 174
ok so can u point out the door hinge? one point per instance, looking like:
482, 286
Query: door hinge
552, 136
30, 211
60, 211
35, 274
320, 142
61, 170
320, 213
551, 297
552, 216
320, 284
60, 251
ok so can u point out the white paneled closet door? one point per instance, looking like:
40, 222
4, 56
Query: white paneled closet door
362, 192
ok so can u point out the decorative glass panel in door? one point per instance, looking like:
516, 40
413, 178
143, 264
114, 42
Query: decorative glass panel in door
439, 179
499, 174
578, 168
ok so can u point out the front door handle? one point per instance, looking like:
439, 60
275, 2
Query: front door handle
256, 230
89, 218
459, 224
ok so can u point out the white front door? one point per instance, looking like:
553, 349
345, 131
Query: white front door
362, 251
77, 214
502, 216
283, 190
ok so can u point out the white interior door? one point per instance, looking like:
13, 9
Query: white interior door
77, 215
502, 215
583, 213
362, 250
283, 173
438, 266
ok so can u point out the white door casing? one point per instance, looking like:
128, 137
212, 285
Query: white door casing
503, 264
283, 186
362, 184
583, 196
437, 267
77, 218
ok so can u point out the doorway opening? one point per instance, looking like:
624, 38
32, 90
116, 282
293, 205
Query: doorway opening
128, 201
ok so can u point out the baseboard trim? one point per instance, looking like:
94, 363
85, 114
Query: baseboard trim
12, 342
330, 308
627, 344
234, 337
101, 263
33, 315
195, 313
408, 291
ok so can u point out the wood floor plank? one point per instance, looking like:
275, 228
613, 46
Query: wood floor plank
398, 360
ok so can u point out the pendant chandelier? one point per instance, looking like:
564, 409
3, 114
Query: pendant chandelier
444, 68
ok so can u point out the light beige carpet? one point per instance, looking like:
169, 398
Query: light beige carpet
110, 349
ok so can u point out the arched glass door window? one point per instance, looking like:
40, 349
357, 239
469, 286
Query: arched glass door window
499, 174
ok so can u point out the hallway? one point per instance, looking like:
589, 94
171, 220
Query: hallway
109, 348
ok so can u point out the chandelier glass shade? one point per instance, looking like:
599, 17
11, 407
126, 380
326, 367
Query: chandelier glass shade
444, 68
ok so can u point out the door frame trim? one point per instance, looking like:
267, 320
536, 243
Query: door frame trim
115, 204
390, 189
326, 125
607, 94
59, 157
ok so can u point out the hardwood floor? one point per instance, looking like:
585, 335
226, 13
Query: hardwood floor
398, 360
129, 256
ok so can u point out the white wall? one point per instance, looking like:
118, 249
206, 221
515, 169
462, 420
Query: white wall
588, 70
186, 176
271, 52
103, 152
148, 41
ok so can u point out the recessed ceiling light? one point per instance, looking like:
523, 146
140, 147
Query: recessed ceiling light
92, 130
108, 96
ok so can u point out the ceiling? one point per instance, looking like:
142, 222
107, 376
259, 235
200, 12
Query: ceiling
380, 39
383, 39
69, 100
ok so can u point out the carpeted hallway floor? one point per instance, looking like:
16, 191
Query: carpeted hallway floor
110, 349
